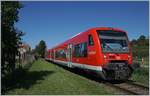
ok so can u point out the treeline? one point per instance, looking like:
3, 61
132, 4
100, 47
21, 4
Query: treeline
12, 48
40, 50
140, 47
10, 41
10, 36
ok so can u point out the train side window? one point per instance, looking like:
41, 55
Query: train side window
60, 54
90, 40
80, 50
77, 50
84, 49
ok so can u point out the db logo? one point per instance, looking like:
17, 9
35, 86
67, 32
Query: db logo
92, 52
118, 57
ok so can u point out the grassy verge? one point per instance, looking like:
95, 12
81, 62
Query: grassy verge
139, 60
46, 78
146, 60
141, 76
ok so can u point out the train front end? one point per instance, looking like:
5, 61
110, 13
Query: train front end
116, 54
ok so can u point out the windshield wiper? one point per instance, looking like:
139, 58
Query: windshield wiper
109, 47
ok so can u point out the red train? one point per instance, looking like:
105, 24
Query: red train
104, 51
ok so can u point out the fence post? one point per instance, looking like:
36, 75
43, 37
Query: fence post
142, 61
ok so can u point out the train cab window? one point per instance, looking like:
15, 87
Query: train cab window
90, 40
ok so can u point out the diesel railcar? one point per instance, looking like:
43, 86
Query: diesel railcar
102, 50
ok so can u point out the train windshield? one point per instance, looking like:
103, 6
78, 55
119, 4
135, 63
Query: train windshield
113, 41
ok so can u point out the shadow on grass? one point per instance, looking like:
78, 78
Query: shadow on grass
22, 78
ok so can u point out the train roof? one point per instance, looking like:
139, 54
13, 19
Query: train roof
95, 28
106, 28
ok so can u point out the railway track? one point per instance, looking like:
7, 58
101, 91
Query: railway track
128, 88
131, 88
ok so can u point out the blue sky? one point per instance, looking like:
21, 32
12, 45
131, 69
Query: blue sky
55, 22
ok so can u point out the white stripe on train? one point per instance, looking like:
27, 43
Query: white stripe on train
79, 65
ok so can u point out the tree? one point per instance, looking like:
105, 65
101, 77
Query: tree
140, 47
141, 40
11, 36
133, 42
142, 37
40, 49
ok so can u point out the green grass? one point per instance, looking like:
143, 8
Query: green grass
141, 76
46, 78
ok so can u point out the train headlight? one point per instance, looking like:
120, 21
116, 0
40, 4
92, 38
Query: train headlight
105, 56
129, 56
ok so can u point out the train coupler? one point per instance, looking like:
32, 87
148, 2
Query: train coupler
118, 71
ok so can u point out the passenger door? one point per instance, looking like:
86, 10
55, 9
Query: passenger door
70, 46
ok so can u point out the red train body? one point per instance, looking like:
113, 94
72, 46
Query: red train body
105, 51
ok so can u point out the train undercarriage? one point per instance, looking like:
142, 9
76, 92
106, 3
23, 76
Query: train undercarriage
118, 71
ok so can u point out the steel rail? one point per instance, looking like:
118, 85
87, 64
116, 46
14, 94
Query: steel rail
130, 87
